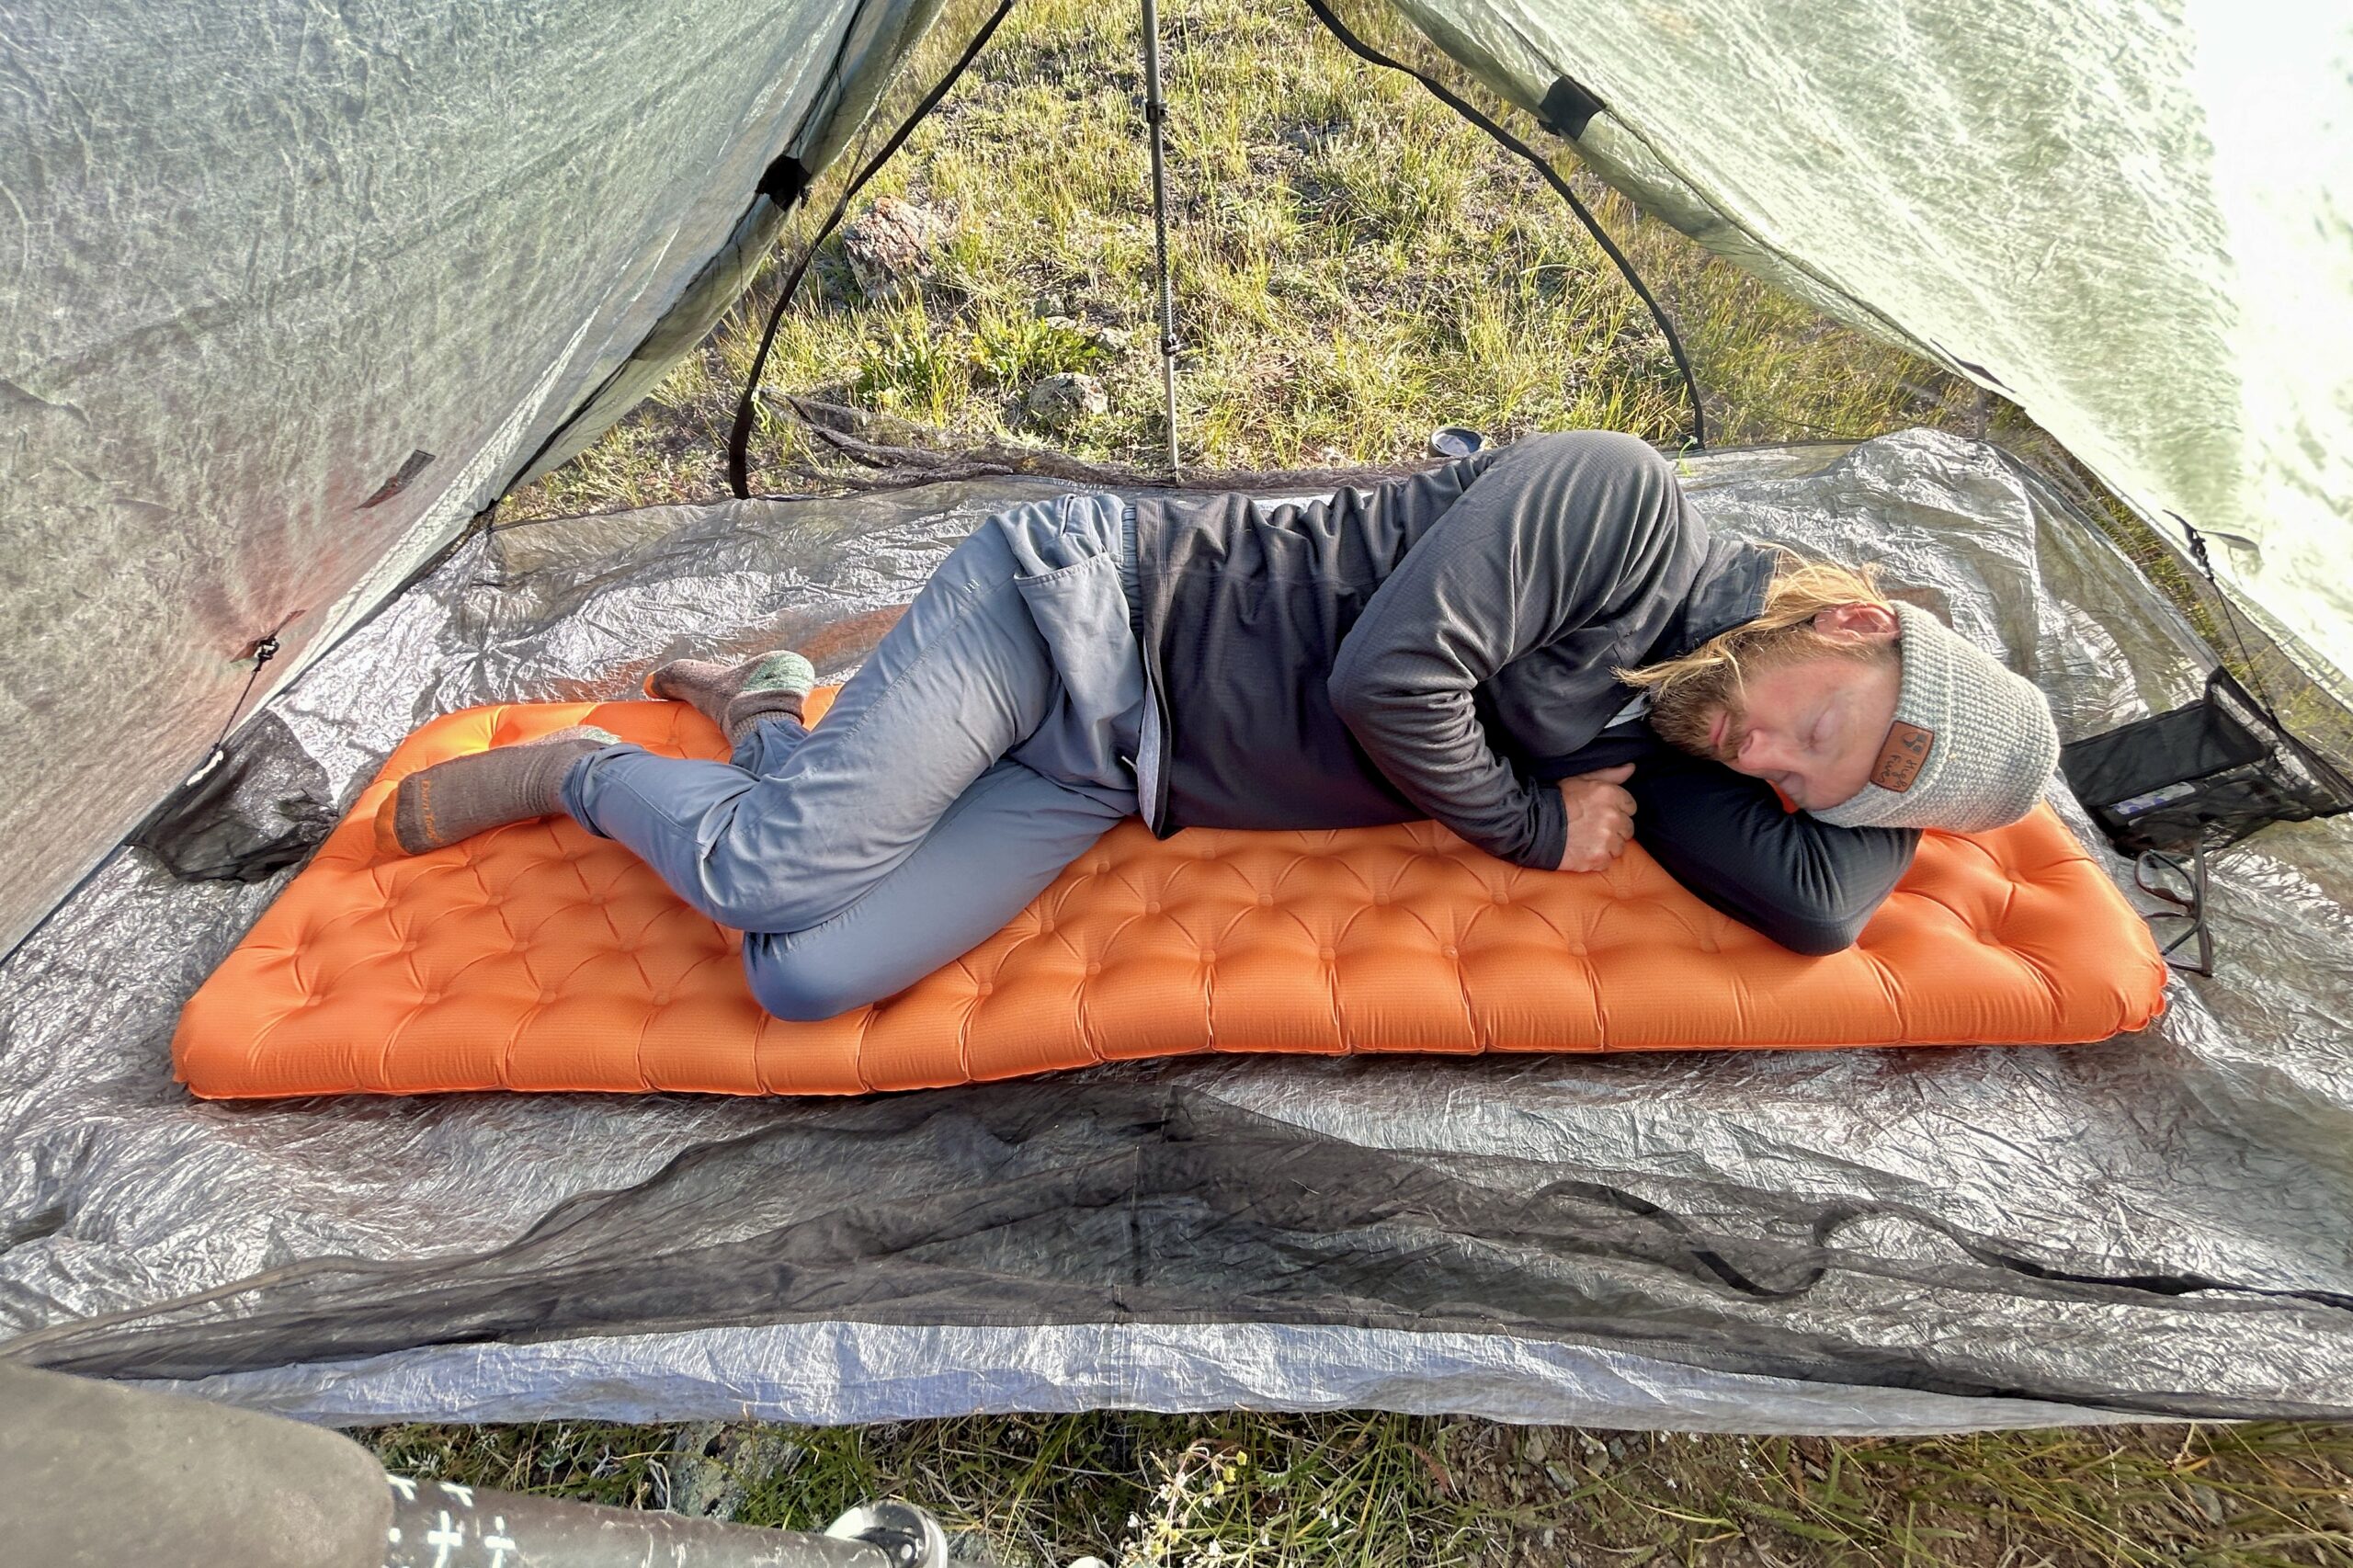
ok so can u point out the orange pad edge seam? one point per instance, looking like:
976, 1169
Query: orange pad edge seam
541, 958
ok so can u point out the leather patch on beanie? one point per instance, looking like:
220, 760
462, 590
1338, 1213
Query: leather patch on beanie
1901, 759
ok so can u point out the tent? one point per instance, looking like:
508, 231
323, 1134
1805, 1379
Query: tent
296, 296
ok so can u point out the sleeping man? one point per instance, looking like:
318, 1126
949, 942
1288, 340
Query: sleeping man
1539, 647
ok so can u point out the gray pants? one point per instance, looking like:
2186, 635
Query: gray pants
990, 740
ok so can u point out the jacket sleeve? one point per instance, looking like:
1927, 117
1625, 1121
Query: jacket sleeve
1557, 539
1806, 883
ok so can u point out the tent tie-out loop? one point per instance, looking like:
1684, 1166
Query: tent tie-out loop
1553, 177
739, 438
263, 649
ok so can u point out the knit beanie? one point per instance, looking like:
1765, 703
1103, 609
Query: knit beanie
1973, 744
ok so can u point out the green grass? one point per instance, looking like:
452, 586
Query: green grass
1420, 1492
1354, 267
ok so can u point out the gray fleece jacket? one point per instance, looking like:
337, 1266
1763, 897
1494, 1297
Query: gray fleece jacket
1438, 647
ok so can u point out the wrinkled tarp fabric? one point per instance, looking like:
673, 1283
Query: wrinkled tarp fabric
293, 292
1843, 1241
2134, 221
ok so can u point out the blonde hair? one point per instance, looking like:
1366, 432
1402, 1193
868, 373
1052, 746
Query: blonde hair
1685, 691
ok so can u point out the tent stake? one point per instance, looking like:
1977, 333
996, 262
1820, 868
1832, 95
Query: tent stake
1156, 115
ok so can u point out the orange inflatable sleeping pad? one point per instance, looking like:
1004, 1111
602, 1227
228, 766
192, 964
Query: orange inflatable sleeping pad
541, 957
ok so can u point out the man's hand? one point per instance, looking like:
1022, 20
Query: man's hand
1601, 817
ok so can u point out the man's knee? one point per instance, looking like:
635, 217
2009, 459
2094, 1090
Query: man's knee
803, 985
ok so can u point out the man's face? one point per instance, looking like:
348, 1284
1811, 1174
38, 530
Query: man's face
1813, 728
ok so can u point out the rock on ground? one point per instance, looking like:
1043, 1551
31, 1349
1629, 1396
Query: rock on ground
713, 1467
1063, 400
892, 244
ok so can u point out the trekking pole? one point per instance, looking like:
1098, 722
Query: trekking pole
97, 1472
1156, 115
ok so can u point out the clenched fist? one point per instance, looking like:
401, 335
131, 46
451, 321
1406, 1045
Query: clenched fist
1601, 817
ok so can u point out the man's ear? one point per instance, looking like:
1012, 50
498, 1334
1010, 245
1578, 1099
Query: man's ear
1857, 623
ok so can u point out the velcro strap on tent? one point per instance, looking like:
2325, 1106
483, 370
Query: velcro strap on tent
541, 957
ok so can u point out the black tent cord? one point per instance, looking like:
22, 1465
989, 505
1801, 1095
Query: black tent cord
2230, 613
739, 438
1551, 176
263, 649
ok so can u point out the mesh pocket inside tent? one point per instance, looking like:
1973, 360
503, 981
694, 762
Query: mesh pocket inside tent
2202, 777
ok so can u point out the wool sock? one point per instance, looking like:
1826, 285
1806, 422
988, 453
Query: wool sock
737, 696
437, 806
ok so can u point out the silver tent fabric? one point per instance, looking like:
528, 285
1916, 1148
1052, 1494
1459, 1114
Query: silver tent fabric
1843, 1241
836, 1373
294, 291
2134, 220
